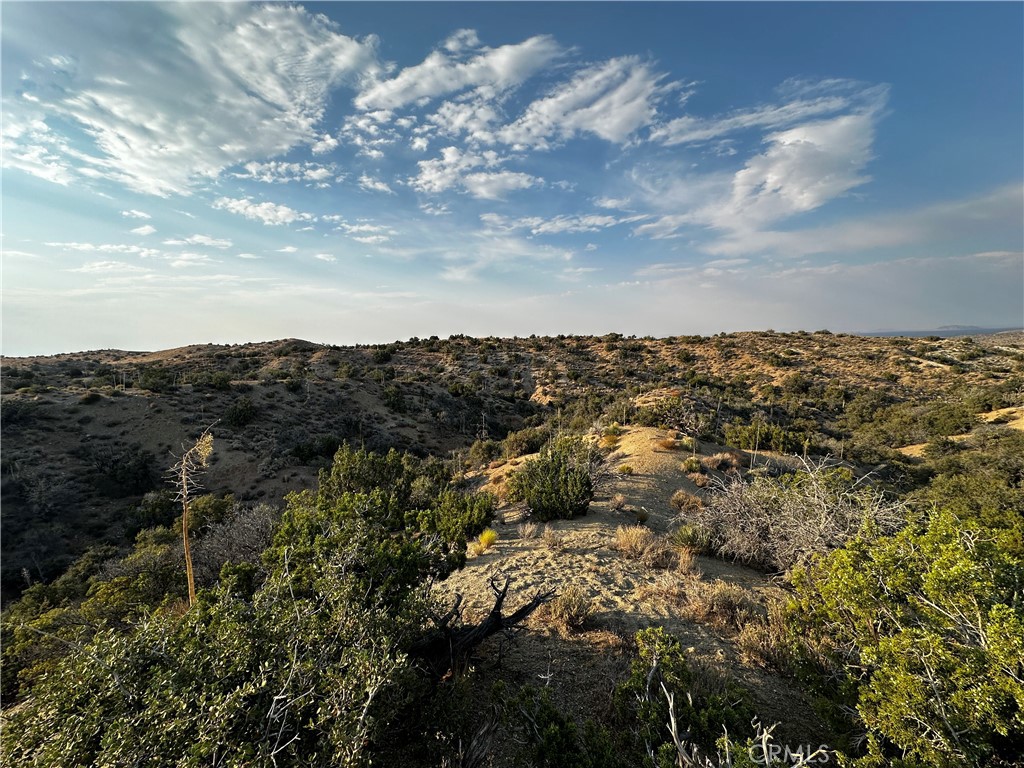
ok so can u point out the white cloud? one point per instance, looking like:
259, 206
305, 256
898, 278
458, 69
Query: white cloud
996, 214
287, 249
612, 100
236, 82
490, 69
371, 184
276, 172
807, 100
135, 250
612, 203
324, 144
206, 240
268, 213
557, 225
145, 229
457, 169
107, 267
133, 214
29, 145
324, 257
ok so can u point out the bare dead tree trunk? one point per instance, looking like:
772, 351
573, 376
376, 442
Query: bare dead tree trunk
446, 648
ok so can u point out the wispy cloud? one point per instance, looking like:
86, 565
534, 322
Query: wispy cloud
236, 83
210, 242
370, 184
612, 100
145, 229
133, 214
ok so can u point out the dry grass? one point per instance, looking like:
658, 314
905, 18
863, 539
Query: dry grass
554, 540
527, 530
668, 444
686, 559
719, 603
767, 641
701, 481
609, 441
633, 540
639, 543
720, 461
487, 539
618, 502
685, 502
625, 469
571, 609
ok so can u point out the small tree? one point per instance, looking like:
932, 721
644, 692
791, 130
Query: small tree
186, 475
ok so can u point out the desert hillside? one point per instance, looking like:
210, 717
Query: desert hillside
502, 552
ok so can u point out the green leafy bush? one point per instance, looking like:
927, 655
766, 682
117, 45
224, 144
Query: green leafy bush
929, 625
557, 484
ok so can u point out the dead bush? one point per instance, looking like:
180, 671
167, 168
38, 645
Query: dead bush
701, 481
618, 502
685, 502
720, 462
553, 540
776, 523
527, 530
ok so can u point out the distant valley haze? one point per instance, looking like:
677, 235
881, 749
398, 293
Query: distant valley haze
369, 172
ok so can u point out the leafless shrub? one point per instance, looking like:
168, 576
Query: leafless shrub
553, 539
618, 502
698, 479
778, 523
527, 530
240, 538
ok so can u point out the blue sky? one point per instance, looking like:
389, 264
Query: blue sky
364, 172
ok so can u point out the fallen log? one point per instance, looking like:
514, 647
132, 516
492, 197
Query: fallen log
447, 648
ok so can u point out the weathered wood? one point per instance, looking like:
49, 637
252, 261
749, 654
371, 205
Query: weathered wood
446, 648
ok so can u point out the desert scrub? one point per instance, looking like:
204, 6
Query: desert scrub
553, 540
625, 469
632, 540
720, 462
684, 502
691, 464
527, 530
558, 483
618, 502
699, 479
571, 609
488, 538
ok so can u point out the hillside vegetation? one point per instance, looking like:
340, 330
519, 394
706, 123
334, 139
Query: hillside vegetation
594, 551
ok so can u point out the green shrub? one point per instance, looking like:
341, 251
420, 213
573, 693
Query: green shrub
929, 626
241, 412
557, 484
